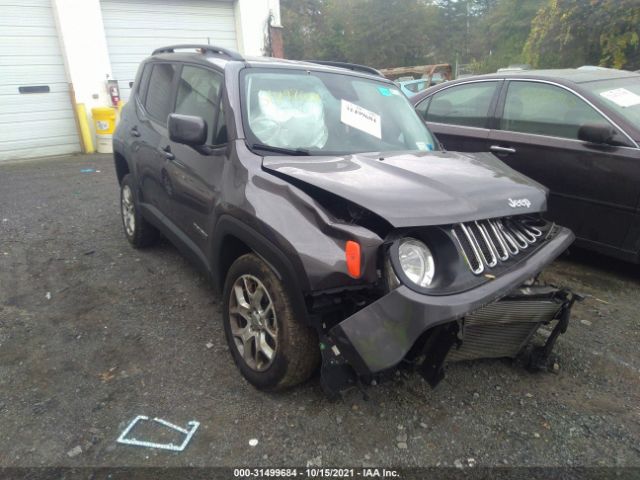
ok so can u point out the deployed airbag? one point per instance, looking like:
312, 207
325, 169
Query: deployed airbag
289, 119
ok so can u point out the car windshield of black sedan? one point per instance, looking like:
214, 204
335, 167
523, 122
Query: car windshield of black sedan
325, 113
622, 95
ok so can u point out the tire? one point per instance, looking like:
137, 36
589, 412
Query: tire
138, 231
294, 346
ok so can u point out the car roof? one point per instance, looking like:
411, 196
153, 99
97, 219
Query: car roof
416, 80
322, 66
222, 59
566, 76
574, 75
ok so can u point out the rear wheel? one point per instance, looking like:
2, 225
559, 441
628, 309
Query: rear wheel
272, 348
138, 231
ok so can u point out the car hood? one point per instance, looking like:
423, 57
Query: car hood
419, 188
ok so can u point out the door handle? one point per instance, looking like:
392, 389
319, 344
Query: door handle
498, 149
134, 132
168, 154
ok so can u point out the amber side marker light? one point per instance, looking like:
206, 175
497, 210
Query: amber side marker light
352, 254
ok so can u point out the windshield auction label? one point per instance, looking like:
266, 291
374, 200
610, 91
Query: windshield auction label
622, 97
361, 118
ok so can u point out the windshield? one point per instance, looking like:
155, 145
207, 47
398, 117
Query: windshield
327, 113
621, 95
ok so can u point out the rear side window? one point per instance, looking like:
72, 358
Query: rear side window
544, 109
198, 95
157, 102
466, 105
144, 82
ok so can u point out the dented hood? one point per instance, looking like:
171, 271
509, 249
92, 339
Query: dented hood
419, 188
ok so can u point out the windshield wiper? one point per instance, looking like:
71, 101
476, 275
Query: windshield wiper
300, 152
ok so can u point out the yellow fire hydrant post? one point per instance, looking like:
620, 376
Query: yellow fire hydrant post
105, 122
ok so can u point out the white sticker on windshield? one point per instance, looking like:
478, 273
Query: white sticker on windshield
622, 97
361, 118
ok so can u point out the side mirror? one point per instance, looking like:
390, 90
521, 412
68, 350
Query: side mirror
187, 129
596, 133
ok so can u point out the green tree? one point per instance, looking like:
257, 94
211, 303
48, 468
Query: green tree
619, 27
487, 33
381, 33
303, 21
392, 33
502, 32
570, 33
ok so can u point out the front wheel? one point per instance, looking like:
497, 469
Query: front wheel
272, 349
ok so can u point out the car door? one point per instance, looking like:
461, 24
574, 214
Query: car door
197, 171
130, 124
459, 115
152, 135
594, 188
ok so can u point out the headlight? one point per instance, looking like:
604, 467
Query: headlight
416, 261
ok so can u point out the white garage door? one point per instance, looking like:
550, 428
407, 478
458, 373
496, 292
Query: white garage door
134, 28
33, 124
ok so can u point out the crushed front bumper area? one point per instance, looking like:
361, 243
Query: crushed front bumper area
496, 319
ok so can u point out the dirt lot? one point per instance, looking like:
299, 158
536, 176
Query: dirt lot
93, 333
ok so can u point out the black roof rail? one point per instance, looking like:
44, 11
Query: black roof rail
203, 47
350, 66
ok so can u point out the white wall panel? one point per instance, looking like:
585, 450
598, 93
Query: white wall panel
34, 124
134, 28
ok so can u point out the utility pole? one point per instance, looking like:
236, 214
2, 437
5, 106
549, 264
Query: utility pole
466, 38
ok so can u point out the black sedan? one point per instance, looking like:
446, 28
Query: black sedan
575, 131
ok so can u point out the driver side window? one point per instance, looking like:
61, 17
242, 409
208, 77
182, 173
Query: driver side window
544, 109
199, 95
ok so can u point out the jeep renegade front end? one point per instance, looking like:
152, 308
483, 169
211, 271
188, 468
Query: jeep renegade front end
337, 230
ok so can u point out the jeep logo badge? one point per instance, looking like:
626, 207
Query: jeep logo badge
519, 202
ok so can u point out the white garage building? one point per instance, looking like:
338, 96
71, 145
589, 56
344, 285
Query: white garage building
56, 53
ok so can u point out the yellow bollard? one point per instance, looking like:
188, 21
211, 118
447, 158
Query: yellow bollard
85, 132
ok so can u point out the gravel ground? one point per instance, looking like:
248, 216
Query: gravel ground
93, 333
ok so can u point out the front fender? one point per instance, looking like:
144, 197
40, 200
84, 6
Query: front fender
294, 223
287, 268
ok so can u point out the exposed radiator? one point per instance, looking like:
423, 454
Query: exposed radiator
503, 328
485, 243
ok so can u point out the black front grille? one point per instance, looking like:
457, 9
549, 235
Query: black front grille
484, 244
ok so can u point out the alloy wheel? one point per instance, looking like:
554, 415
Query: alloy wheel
253, 322
128, 211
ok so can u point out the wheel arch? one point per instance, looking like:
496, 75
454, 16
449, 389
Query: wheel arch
122, 166
233, 238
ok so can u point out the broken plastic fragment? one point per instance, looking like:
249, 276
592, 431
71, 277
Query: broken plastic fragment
75, 451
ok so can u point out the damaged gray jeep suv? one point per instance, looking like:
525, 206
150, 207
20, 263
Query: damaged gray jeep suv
336, 229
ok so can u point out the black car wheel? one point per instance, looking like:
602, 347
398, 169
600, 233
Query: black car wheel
272, 348
138, 231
